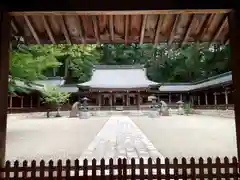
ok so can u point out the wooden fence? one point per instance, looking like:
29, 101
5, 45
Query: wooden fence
125, 169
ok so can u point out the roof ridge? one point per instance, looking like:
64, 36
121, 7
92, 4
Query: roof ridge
136, 66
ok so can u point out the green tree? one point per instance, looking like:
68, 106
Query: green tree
54, 98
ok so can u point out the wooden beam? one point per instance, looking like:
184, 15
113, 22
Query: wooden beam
159, 25
31, 28
5, 36
144, 22
219, 29
126, 25
234, 26
189, 27
173, 28
95, 28
49, 31
121, 12
64, 29
111, 27
80, 28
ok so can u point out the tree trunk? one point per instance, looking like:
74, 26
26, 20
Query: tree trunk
58, 112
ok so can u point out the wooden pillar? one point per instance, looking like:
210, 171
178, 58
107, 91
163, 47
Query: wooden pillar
181, 97
234, 26
39, 100
127, 99
22, 101
169, 98
4, 70
138, 100
199, 102
31, 104
226, 96
215, 98
99, 100
206, 99
191, 99
10, 101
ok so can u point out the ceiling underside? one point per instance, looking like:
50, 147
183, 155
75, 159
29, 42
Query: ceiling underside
121, 27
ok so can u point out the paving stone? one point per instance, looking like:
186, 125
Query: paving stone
120, 138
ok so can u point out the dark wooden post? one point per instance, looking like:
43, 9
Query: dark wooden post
4, 70
234, 26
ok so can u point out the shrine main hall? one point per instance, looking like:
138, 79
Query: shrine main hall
128, 86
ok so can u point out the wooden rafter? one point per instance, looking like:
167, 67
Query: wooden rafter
159, 24
227, 41
81, 34
111, 27
14, 27
29, 24
144, 22
189, 27
64, 29
219, 30
96, 29
201, 26
206, 24
126, 29
49, 31
173, 28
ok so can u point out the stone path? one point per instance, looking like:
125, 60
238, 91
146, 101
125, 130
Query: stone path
120, 138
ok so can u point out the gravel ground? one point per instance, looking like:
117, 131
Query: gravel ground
51, 138
190, 136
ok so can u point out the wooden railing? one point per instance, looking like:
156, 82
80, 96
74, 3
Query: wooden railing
219, 106
125, 169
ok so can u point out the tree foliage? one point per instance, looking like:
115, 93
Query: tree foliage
164, 63
52, 96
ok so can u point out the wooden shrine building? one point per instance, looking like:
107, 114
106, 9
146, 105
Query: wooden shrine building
118, 85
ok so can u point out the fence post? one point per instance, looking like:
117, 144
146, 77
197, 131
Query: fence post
102, 167
218, 168
25, 165
175, 163
193, 168
50, 169
16, 168
159, 170
150, 175
141, 168
59, 169
133, 169
124, 168
201, 170
167, 169
235, 168
68, 166
119, 168
209, 165
110, 168
77, 168
33, 165
42, 169
94, 169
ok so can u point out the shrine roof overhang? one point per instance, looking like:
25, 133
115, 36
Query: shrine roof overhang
215, 81
136, 26
119, 77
